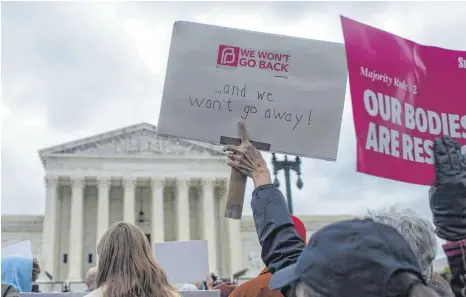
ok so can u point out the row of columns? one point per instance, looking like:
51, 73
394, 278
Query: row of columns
157, 220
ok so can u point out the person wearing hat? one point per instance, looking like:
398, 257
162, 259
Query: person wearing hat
420, 235
351, 258
259, 286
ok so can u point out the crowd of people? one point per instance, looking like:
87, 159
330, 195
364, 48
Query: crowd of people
386, 253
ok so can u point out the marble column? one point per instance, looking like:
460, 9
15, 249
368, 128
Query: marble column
50, 229
75, 265
103, 204
209, 224
182, 210
234, 239
236, 245
129, 203
157, 211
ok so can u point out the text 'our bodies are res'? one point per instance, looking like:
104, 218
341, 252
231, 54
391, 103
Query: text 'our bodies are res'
401, 120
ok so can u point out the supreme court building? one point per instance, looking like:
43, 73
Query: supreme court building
172, 189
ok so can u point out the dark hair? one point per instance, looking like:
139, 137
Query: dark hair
408, 284
35, 269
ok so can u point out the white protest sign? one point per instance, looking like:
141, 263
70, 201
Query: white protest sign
203, 293
183, 261
289, 91
58, 294
23, 249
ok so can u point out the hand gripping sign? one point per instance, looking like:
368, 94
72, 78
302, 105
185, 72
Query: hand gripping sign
404, 95
237, 183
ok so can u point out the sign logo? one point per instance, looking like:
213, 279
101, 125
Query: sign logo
228, 56
236, 57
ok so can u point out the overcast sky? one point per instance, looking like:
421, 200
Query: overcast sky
71, 70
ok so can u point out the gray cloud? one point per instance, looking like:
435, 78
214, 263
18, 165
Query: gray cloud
68, 71
74, 69
73, 58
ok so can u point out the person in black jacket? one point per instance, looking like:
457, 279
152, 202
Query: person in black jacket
352, 258
448, 205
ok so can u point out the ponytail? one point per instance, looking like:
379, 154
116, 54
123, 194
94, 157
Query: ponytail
408, 284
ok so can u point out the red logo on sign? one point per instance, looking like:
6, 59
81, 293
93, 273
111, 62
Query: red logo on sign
228, 56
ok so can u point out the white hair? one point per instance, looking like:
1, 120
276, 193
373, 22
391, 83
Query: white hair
418, 232
91, 278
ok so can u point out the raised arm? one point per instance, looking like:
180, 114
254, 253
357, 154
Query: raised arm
281, 245
448, 205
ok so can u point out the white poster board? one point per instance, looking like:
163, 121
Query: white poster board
289, 91
23, 249
183, 261
203, 293
57, 294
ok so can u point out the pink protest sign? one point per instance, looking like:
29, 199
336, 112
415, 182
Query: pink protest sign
404, 96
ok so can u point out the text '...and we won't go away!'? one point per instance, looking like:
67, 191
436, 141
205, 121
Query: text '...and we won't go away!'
229, 96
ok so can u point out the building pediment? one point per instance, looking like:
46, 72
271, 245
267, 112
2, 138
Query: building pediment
137, 140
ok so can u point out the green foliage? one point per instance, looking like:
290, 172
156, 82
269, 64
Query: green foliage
446, 274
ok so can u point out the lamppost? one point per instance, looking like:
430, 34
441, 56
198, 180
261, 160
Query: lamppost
287, 166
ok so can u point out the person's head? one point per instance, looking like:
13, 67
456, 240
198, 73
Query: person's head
300, 227
418, 232
91, 278
66, 287
199, 285
127, 267
18, 272
354, 258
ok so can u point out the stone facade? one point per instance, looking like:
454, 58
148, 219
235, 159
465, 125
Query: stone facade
172, 189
